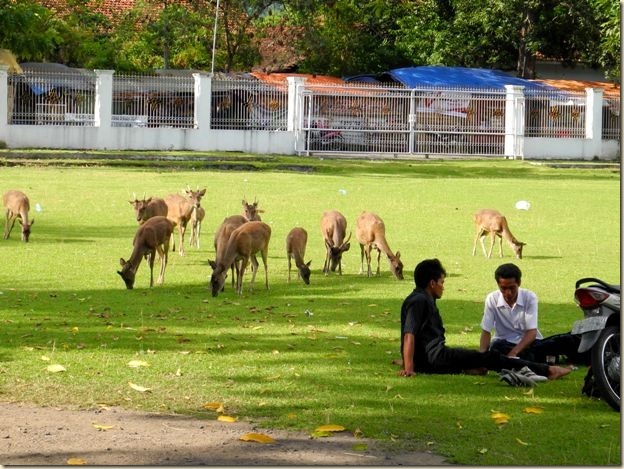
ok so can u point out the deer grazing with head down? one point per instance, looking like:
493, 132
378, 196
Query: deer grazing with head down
148, 208
333, 230
179, 210
221, 238
251, 211
17, 207
152, 237
197, 216
243, 245
370, 232
492, 222
295, 249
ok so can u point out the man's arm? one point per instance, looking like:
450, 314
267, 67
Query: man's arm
527, 339
408, 355
484, 343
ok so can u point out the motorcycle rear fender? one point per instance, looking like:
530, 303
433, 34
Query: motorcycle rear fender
589, 329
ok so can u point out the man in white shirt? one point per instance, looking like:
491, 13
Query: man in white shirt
512, 312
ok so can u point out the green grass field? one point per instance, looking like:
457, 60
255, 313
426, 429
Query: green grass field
300, 356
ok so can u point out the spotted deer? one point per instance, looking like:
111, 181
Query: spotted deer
243, 245
221, 239
152, 237
492, 222
295, 249
333, 230
147, 208
179, 211
370, 232
17, 207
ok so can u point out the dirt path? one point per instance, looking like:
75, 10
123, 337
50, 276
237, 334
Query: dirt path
31, 435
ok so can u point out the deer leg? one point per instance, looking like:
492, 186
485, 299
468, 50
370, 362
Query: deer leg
181, 229
163, 262
198, 230
500, 245
327, 260
289, 266
266, 272
493, 239
10, 221
254, 271
378, 257
239, 276
152, 255
474, 245
361, 259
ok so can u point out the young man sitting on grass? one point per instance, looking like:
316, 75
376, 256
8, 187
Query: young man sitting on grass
423, 346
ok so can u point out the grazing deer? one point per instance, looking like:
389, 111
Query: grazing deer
244, 243
148, 208
251, 211
221, 239
152, 236
197, 216
333, 230
17, 207
370, 232
179, 211
493, 222
295, 249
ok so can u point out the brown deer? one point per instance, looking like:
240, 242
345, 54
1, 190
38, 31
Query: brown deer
221, 239
492, 222
152, 237
197, 216
333, 230
251, 211
370, 232
17, 207
179, 211
148, 208
295, 249
244, 243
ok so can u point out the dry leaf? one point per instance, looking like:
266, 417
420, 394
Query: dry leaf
136, 387
216, 406
226, 418
483, 450
102, 427
76, 462
45, 358
55, 368
257, 437
330, 428
137, 363
523, 443
533, 410
499, 418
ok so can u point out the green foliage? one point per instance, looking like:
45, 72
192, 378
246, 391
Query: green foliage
300, 356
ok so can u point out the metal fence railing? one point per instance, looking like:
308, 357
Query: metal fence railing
555, 114
51, 98
153, 101
611, 118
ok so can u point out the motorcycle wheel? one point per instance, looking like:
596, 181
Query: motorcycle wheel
605, 358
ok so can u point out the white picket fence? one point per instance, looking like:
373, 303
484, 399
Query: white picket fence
103, 110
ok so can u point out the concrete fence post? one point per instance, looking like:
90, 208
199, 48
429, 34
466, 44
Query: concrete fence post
4, 100
295, 107
203, 101
103, 112
514, 121
593, 119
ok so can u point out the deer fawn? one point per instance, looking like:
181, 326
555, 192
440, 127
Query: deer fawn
148, 208
492, 222
295, 249
197, 216
251, 211
17, 207
333, 230
152, 236
221, 239
370, 232
244, 243
179, 211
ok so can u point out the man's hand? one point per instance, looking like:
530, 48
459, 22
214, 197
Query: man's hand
406, 373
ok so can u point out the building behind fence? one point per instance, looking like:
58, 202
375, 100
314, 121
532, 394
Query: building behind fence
85, 109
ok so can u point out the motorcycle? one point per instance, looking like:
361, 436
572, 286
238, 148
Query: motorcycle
600, 334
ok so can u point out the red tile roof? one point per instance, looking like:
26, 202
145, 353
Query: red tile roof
610, 89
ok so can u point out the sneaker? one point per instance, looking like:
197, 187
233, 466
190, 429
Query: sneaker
513, 378
526, 371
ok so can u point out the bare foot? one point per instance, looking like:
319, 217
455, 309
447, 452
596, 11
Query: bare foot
556, 372
476, 371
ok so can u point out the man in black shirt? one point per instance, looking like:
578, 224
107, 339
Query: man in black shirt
423, 346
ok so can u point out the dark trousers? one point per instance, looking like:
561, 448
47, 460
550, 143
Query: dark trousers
555, 345
452, 360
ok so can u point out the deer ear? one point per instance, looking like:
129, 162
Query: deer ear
308, 264
131, 202
20, 221
32, 222
346, 247
212, 264
398, 255
203, 192
122, 262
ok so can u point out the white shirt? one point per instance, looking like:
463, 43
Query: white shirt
510, 323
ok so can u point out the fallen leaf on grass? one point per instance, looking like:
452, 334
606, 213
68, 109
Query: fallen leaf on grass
257, 437
137, 363
45, 358
55, 368
76, 462
533, 410
136, 387
226, 418
330, 428
216, 406
499, 418
523, 443
483, 450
